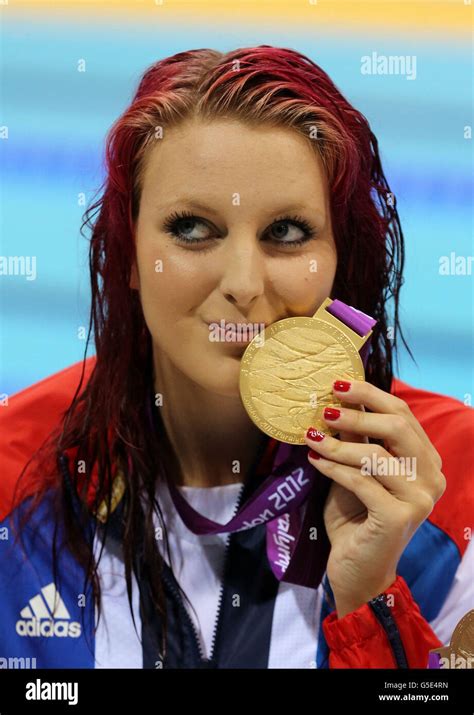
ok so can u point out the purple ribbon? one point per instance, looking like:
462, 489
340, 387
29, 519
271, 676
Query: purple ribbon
297, 544
434, 661
290, 501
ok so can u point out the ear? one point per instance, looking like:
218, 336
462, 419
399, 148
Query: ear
134, 277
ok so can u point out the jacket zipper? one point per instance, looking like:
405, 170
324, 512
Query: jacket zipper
184, 610
179, 600
217, 622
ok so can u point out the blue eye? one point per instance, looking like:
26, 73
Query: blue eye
282, 225
182, 226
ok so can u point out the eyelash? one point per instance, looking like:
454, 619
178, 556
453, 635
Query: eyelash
171, 226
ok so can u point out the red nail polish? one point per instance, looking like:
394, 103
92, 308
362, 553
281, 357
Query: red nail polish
313, 454
342, 385
331, 413
315, 434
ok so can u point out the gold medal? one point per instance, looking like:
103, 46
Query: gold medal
286, 378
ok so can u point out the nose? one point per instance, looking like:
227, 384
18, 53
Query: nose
243, 276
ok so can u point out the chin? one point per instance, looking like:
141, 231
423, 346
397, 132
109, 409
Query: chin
222, 377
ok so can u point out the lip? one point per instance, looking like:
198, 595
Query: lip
236, 322
233, 337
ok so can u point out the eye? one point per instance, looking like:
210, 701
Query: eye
286, 231
184, 224
282, 231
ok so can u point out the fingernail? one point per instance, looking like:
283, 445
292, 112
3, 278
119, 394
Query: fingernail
313, 454
315, 434
331, 413
341, 385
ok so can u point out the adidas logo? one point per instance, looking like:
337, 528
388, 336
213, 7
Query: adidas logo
46, 615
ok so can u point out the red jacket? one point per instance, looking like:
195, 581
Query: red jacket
357, 640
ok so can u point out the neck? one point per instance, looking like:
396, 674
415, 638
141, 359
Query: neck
213, 441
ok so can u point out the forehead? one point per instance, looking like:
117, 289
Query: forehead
227, 156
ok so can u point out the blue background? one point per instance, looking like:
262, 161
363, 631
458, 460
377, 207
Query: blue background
58, 118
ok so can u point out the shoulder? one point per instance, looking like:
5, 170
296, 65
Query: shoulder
437, 562
430, 407
449, 424
26, 422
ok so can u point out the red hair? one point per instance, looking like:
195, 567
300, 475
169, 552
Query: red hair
263, 85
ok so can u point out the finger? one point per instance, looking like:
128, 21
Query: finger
395, 474
398, 434
374, 496
367, 489
377, 400
347, 436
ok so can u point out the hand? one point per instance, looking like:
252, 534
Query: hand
379, 496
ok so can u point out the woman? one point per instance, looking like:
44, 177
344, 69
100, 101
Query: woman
240, 187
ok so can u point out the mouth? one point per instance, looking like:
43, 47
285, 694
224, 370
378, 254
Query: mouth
229, 332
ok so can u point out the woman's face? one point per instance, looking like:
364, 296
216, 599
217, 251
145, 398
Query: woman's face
234, 225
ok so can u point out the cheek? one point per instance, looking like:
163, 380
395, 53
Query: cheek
302, 284
172, 282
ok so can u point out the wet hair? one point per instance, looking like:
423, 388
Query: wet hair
106, 421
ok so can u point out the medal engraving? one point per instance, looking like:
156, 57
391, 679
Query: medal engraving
286, 381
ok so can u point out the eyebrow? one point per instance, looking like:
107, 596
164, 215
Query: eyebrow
199, 206
190, 203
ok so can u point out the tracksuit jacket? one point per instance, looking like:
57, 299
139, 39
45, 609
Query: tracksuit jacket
45, 623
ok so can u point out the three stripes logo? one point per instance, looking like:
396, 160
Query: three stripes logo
47, 615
